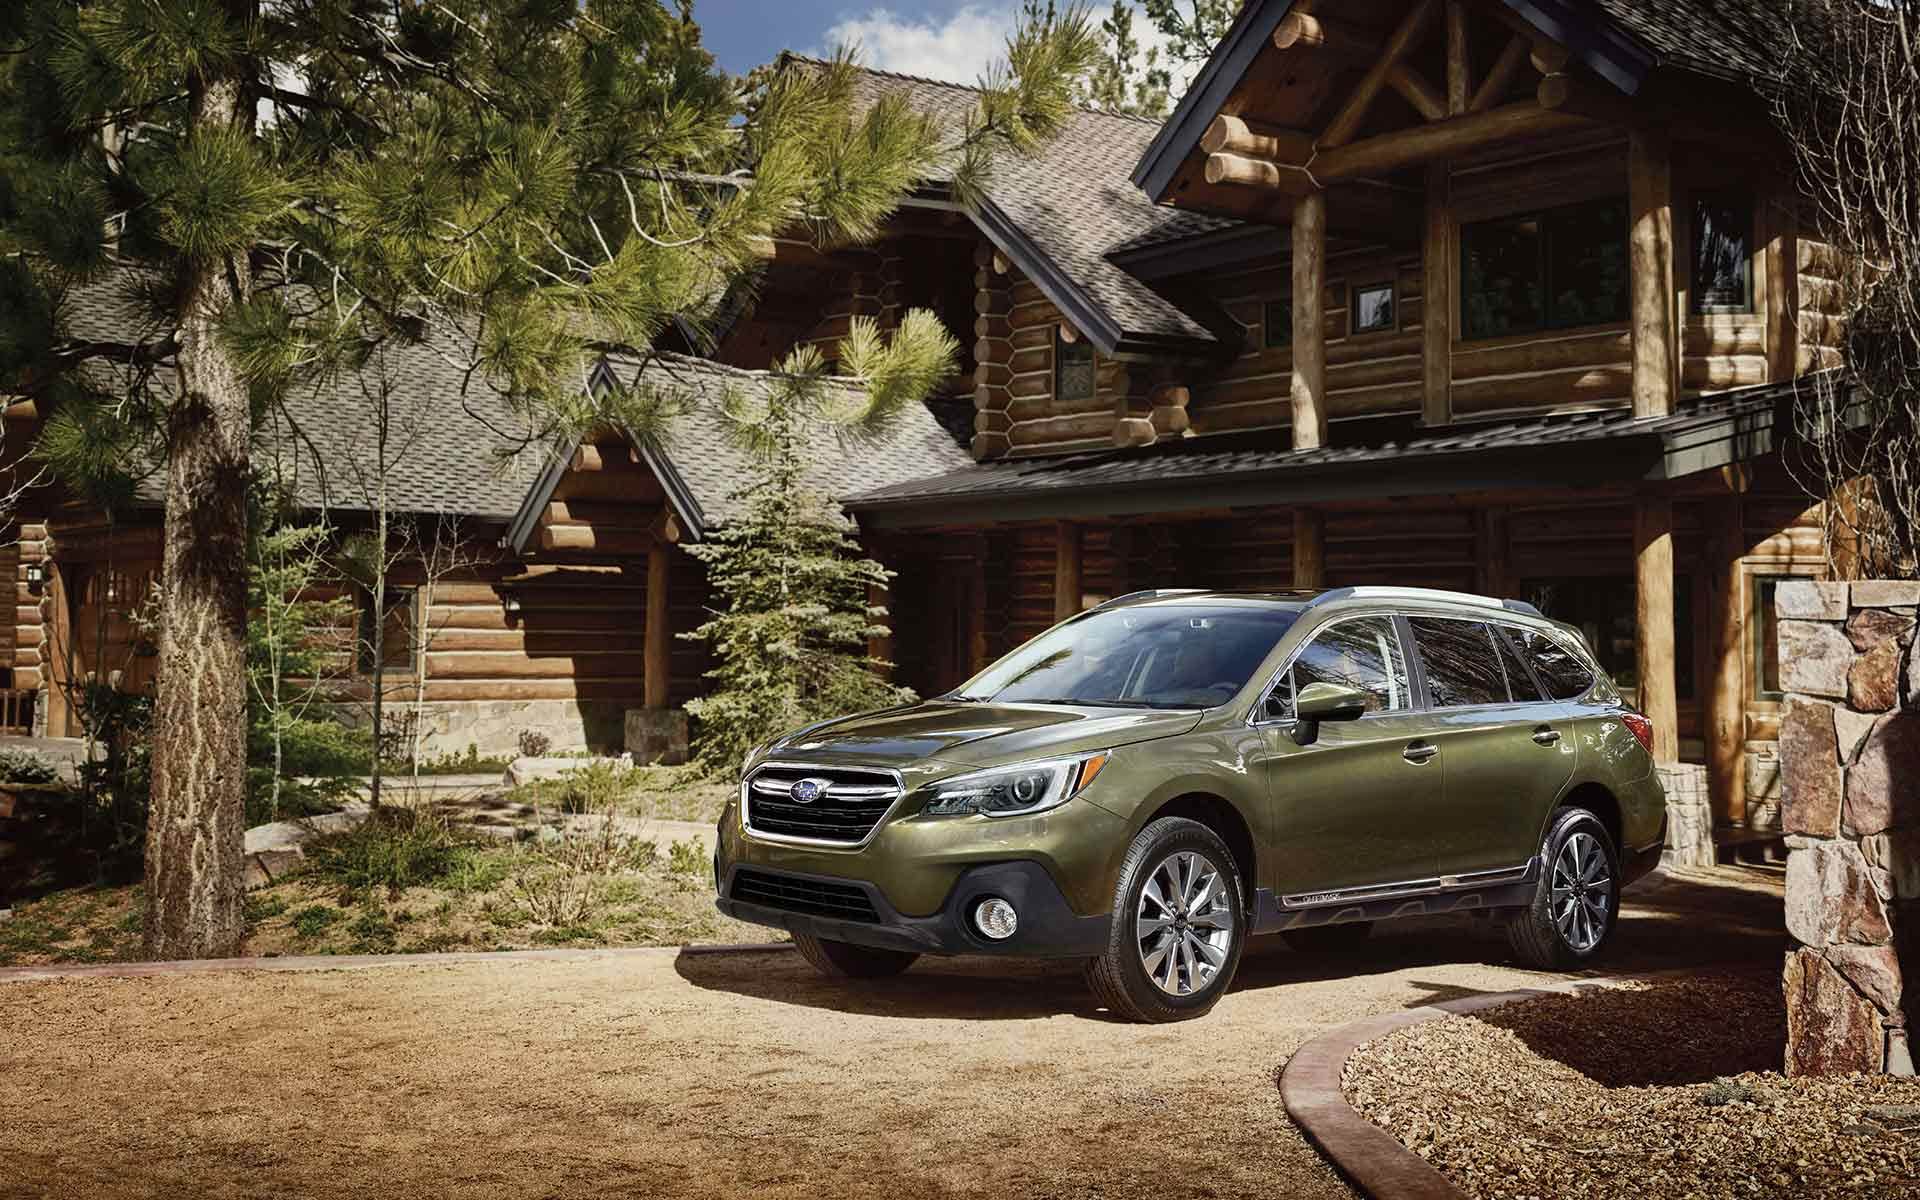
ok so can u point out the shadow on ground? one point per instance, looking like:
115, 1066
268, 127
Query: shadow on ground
1723, 917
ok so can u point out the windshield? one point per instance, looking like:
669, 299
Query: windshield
1154, 656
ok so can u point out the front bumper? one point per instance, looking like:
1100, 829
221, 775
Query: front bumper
1048, 925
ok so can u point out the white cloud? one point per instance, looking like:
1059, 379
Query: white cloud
958, 50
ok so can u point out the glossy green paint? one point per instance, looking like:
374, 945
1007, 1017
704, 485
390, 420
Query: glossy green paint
1346, 810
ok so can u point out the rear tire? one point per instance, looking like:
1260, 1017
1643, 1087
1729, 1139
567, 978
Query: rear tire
1178, 926
1577, 903
844, 960
1328, 939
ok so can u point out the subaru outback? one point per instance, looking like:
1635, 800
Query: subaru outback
1152, 781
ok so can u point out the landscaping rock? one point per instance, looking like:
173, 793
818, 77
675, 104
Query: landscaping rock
1873, 684
1883, 786
1831, 1029
1871, 626
1899, 1053
271, 866
1886, 593
1809, 600
1811, 787
1873, 970
527, 769
1814, 657
1831, 898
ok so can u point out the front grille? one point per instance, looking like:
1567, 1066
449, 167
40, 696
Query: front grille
814, 897
850, 802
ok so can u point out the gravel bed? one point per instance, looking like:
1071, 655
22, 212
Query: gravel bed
1650, 1090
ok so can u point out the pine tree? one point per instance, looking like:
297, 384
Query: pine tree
1193, 27
281, 188
1126, 81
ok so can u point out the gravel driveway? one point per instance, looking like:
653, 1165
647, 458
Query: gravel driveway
658, 1073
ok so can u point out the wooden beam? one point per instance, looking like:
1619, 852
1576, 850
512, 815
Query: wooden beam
1258, 172
1653, 621
1309, 548
1436, 308
657, 656
1067, 586
1500, 75
1389, 152
1656, 374
1414, 88
1303, 31
1459, 68
1308, 388
1347, 121
1782, 233
1236, 135
1726, 716
1550, 58
1492, 551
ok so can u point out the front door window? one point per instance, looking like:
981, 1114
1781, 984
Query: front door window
1363, 653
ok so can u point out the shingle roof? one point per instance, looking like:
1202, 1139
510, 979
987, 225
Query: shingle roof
1718, 37
457, 445
1566, 450
1074, 202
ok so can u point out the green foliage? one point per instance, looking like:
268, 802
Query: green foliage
1125, 80
1722, 1092
1193, 27
393, 849
314, 920
791, 628
27, 766
688, 858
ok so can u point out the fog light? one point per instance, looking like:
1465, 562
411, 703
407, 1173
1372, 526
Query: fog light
995, 918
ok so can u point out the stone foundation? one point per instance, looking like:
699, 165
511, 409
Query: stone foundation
1689, 816
493, 727
1850, 805
657, 735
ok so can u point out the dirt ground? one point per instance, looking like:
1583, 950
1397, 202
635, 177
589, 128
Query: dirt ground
666, 1074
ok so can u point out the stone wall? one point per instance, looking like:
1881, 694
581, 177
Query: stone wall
492, 727
1689, 816
1850, 806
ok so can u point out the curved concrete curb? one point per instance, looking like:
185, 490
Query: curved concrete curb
1372, 1159
362, 962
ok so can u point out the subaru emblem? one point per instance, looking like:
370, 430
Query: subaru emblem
806, 791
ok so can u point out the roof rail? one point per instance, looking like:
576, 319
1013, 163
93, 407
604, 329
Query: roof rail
1416, 593
1146, 594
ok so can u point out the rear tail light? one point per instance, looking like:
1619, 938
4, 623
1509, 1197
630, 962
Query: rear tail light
1642, 728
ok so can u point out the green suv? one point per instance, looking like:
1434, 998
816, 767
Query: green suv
1152, 781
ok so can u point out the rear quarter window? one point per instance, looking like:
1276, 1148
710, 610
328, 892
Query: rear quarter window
1565, 675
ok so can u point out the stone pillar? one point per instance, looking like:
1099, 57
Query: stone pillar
1850, 767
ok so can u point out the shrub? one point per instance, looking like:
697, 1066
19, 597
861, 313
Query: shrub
394, 848
687, 858
314, 920
533, 743
1727, 1091
27, 766
595, 788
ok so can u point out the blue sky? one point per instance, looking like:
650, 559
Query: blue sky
951, 39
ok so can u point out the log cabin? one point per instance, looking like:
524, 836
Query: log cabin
534, 588
1500, 295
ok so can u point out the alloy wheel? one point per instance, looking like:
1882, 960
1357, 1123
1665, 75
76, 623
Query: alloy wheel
1582, 891
1184, 925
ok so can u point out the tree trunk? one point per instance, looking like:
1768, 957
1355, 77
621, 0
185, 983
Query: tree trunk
194, 831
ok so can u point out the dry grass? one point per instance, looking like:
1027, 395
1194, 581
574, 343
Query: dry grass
1655, 1089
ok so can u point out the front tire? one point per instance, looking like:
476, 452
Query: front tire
1577, 903
844, 960
1178, 926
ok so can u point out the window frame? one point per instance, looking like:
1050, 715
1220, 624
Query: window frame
1756, 693
1545, 325
363, 608
1747, 307
1267, 339
1392, 288
1416, 681
1080, 342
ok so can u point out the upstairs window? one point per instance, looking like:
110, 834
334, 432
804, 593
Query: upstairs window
1722, 280
1072, 366
1276, 323
1373, 308
1556, 269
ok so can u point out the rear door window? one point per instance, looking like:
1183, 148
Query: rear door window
1463, 667
1565, 674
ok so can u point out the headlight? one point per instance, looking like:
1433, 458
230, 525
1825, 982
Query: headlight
1013, 791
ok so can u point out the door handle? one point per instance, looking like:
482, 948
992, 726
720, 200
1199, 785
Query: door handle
1418, 753
1546, 735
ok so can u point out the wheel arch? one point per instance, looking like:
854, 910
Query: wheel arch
1597, 799
1219, 814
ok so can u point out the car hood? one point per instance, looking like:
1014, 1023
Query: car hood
978, 735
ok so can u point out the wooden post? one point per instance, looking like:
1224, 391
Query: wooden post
1783, 285
1727, 680
658, 649
1656, 361
1436, 309
1653, 621
1491, 543
1066, 570
1309, 387
1459, 69
1309, 548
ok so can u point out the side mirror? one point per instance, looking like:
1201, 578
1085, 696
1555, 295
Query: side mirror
1319, 702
